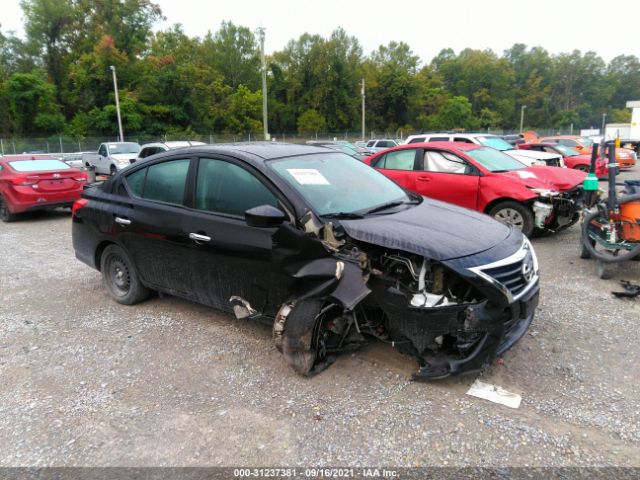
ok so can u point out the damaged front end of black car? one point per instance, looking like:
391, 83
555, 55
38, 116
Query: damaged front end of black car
454, 316
448, 286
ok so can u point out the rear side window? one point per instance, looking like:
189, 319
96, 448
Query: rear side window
136, 181
417, 140
461, 139
438, 139
224, 187
163, 182
386, 144
398, 160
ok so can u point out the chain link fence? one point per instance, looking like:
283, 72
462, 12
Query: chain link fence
60, 144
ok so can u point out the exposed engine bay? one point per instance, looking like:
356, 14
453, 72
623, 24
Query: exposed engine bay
348, 292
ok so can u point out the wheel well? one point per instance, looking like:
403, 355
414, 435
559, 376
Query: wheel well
493, 203
99, 250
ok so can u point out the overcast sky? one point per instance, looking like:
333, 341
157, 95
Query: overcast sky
427, 26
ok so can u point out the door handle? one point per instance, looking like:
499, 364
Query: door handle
424, 178
123, 221
199, 238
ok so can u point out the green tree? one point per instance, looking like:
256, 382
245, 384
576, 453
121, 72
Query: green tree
234, 52
31, 104
311, 122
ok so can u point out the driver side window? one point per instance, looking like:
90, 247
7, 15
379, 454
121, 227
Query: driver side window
444, 162
103, 151
224, 187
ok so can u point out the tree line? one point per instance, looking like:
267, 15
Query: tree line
57, 81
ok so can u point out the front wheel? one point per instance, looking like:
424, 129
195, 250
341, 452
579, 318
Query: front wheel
120, 278
113, 170
5, 213
514, 213
581, 168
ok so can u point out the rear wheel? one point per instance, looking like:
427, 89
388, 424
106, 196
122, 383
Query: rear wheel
513, 213
582, 168
5, 214
120, 278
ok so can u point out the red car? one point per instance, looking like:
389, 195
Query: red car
37, 182
572, 158
484, 179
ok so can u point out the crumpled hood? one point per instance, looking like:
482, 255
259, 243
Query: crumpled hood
437, 230
551, 178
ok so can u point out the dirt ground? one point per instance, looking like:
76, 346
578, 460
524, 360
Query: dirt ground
88, 382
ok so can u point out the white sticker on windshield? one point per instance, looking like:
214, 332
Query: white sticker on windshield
525, 174
111, 145
308, 176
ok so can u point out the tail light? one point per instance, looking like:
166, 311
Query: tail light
77, 205
80, 179
21, 181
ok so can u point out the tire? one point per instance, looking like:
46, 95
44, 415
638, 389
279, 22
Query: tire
582, 168
113, 170
5, 215
119, 277
514, 213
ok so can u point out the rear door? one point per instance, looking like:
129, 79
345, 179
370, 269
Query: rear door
399, 166
444, 176
148, 222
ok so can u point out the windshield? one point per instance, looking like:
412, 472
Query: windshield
587, 142
493, 160
123, 148
495, 142
566, 151
38, 165
334, 183
346, 149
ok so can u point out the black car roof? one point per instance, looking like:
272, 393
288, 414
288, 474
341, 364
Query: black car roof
258, 150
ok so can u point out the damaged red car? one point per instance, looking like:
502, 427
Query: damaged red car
326, 250
484, 179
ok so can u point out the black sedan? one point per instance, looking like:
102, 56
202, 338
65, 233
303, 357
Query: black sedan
326, 249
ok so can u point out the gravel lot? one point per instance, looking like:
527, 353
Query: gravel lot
88, 382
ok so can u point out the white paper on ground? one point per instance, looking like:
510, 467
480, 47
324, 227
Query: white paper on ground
494, 394
308, 176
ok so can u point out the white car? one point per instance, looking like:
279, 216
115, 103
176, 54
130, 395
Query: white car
377, 144
149, 149
111, 157
528, 157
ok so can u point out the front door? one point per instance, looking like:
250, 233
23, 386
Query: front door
444, 176
226, 257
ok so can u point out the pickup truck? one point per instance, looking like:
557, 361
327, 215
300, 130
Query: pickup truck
111, 157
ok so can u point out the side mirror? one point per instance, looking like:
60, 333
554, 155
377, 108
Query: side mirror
264, 216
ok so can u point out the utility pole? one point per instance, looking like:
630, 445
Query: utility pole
265, 124
522, 117
363, 109
604, 118
115, 88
